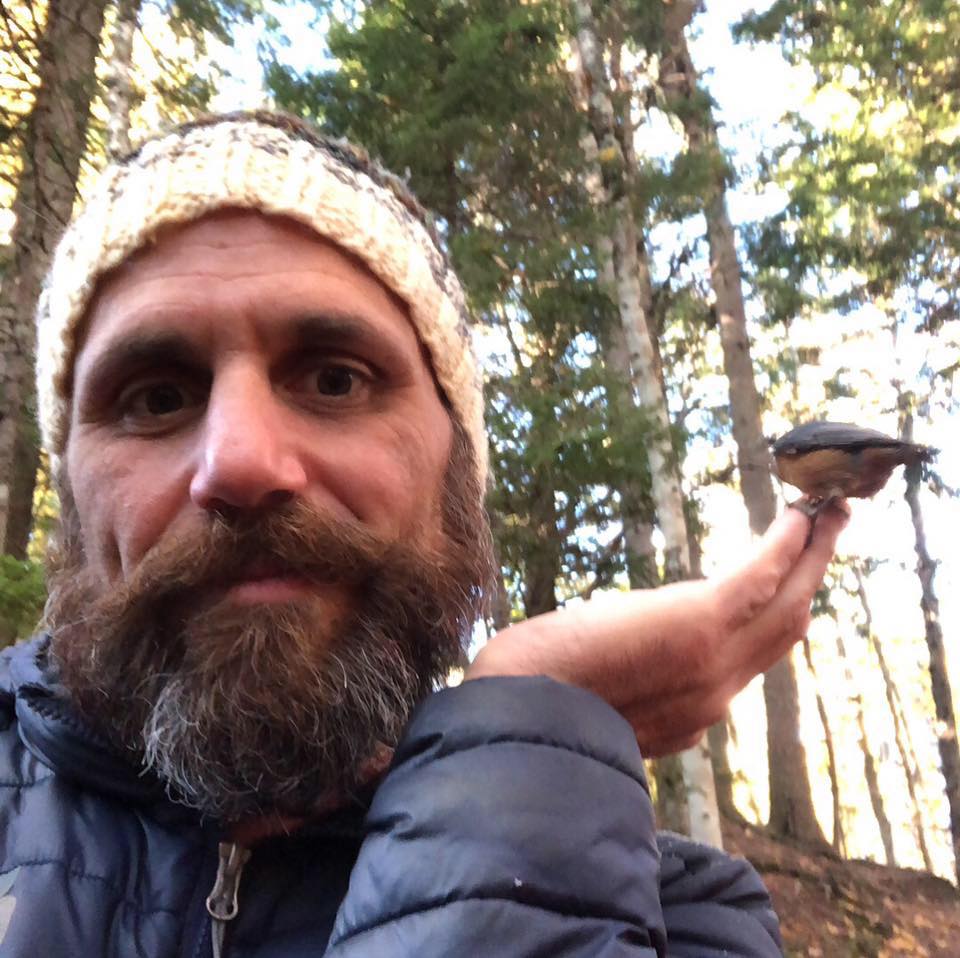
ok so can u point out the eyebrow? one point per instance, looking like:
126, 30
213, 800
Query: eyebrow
135, 350
347, 330
315, 329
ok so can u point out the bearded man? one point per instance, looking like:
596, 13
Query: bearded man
256, 388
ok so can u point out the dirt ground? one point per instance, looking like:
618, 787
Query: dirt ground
831, 908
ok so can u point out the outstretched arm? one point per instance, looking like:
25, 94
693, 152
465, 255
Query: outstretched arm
669, 660
515, 819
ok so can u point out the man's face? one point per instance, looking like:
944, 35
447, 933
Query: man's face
238, 363
273, 541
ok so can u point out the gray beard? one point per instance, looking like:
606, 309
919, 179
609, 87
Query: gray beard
242, 711
264, 727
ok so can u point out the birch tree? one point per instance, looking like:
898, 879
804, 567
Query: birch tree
637, 512
791, 805
616, 207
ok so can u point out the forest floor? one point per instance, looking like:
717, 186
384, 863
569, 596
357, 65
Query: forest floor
832, 908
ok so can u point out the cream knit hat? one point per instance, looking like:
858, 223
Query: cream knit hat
275, 164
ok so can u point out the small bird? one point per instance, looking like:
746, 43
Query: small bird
828, 460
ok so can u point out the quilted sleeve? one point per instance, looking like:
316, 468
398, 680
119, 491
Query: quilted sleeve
516, 822
714, 905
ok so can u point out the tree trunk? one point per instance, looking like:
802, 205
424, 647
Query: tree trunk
636, 509
838, 842
542, 563
615, 199
900, 728
873, 786
791, 806
869, 766
119, 90
671, 807
718, 735
26, 462
789, 782
939, 677
55, 140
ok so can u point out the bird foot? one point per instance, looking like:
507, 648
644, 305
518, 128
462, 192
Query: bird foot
810, 506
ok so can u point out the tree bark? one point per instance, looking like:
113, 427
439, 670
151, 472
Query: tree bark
23, 480
119, 90
791, 804
636, 509
946, 726
838, 841
55, 140
543, 555
671, 807
718, 735
615, 199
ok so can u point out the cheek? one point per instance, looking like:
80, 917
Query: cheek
126, 499
393, 479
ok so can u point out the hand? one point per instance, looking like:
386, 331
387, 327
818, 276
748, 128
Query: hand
671, 659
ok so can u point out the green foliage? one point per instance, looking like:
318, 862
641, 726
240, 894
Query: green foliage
194, 18
874, 190
22, 594
433, 88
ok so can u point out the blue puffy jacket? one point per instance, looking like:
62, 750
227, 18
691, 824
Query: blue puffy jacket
514, 821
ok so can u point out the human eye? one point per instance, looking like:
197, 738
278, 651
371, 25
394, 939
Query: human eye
157, 405
335, 380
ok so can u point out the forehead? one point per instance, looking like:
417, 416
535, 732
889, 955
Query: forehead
236, 272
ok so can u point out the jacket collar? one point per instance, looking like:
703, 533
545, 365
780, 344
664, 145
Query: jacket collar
53, 731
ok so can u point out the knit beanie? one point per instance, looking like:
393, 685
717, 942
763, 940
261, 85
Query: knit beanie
275, 164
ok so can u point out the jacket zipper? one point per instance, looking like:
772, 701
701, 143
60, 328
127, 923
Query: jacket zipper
222, 901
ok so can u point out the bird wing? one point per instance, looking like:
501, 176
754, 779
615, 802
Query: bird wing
832, 435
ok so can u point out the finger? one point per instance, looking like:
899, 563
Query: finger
781, 544
806, 575
755, 583
784, 619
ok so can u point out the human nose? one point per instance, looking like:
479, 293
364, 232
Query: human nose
248, 459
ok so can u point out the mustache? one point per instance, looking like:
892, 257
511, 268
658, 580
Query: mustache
295, 539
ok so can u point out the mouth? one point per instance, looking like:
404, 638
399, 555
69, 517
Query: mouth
266, 581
